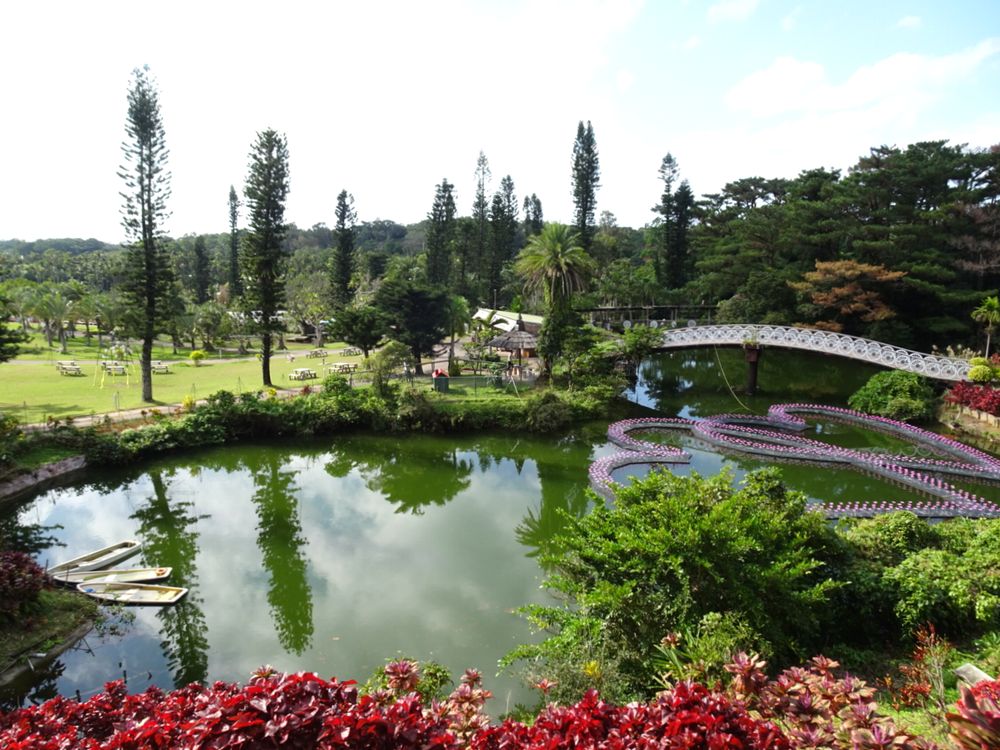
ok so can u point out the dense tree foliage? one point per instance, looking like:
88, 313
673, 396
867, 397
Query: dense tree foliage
235, 282
586, 181
441, 234
263, 254
416, 315
901, 247
343, 256
148, 283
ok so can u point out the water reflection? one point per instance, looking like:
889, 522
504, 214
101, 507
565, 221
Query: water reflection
168, 532
280, 540
410, 473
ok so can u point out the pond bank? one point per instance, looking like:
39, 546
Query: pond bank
18, 487
64, 618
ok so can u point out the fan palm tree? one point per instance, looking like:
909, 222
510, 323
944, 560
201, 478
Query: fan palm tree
988, 313
554, 263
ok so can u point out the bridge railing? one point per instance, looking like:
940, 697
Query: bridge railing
825, 342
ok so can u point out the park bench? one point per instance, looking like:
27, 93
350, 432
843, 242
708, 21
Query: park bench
343, 367
351, 351
302, 373
160, 367
69, 368
115, 369
317, 353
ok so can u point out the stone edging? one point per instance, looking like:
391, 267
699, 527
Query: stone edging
17, 487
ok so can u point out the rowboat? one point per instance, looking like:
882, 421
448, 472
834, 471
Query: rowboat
113, 575
97, 559
133, 593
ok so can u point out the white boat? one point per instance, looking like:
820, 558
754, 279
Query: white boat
113, 575
133, 593
97, 559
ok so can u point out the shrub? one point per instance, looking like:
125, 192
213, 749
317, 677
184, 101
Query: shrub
956, 588
546, 412
21, 579
196, 356
976, 725
981, 373
984, 398
670, 551
897, 395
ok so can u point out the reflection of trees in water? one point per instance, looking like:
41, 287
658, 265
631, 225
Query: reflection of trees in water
168, 536
30, 538
693, 378
280, 539
411, 473
43, 686
564, 495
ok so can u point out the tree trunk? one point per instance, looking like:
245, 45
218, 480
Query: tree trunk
145, 366
265, 361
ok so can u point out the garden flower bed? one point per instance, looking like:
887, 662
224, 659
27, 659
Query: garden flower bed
760, 436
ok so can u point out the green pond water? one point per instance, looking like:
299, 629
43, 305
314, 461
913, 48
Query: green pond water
333, 555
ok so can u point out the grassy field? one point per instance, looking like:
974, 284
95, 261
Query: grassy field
32, 389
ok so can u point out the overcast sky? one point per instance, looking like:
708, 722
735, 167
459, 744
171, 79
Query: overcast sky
385, 99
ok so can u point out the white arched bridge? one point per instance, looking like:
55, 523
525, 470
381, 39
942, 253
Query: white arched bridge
825, 342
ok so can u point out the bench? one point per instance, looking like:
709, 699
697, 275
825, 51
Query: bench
160, 368
302, 373
343, 367
70, 369
115, 369
350, 352
317, 353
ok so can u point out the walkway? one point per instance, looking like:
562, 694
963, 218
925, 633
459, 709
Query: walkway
824, 342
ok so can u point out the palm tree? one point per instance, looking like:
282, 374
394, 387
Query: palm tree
459, 320
988, 313
554, 263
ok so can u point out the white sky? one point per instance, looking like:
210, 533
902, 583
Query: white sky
385, 98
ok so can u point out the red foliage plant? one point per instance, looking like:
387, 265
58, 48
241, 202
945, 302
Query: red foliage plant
984, 398
21, 578
305, 711
976, 725
816, 708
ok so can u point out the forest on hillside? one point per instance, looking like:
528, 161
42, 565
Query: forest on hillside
901, 249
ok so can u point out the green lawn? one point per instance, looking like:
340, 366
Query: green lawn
32, 389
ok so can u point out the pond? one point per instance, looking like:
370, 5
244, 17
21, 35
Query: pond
334, 555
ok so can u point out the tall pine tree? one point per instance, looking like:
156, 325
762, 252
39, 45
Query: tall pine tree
235, 282
440, 234
481, 217
503, 235
675, 210
586, 180
263, 252
202, 274
148, 282
533, 221
343, 256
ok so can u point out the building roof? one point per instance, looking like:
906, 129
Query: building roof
505, 320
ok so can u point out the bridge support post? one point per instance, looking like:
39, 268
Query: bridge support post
752, 353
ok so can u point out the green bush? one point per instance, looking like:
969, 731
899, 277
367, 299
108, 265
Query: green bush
897, 395
955, 587
670, 551
981, 373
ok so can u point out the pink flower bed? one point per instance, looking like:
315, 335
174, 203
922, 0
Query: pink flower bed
758, 436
